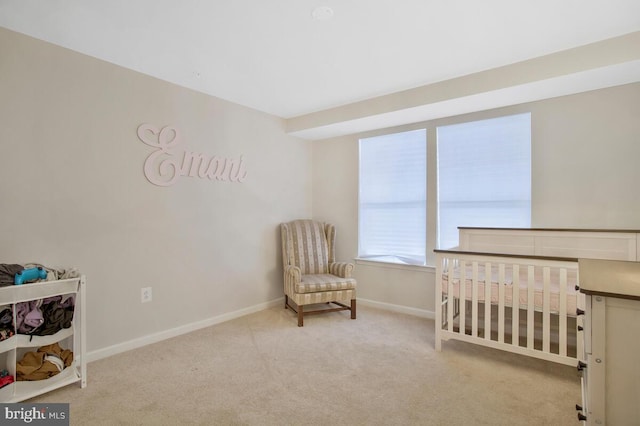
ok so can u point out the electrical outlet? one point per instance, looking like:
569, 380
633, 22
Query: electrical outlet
145, 294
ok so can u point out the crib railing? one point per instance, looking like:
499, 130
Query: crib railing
505, 302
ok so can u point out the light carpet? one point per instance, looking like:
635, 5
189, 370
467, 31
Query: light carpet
261, 369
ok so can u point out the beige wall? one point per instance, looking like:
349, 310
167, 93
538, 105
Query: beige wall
73, 192
585, 151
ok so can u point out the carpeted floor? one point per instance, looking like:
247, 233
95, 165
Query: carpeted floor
380, 369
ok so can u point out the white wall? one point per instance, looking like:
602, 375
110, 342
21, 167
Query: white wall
585, 151
73, 192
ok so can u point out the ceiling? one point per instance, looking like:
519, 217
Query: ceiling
274, 56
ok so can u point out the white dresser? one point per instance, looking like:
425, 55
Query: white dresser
610, 363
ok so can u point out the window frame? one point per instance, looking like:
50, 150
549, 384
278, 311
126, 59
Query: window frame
512, 128
431, 236
388, 258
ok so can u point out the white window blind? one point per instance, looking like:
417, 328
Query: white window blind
484, 175
392, 197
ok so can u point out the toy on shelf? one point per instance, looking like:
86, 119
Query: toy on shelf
5, 378
30, 274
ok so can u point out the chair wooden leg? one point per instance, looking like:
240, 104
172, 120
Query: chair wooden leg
286, 299
353, 308
300, 315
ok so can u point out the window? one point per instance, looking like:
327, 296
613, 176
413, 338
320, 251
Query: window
392, 198
484, 175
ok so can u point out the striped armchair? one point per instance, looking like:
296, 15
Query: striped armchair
311, 274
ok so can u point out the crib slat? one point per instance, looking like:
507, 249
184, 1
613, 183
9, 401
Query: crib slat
530, 306
562, 314
501, 303
450, 299
463, 296
474, 301
546, 309
441, 269
487, 301
515, 307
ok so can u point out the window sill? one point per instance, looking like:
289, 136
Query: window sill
395, 265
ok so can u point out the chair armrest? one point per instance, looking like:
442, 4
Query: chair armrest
341, 269
292, 273
292, 277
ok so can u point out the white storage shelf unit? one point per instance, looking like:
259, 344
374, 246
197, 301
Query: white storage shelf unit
13, 348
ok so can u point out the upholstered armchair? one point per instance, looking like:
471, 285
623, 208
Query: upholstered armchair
311, 274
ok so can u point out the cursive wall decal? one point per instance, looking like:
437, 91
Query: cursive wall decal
167, 163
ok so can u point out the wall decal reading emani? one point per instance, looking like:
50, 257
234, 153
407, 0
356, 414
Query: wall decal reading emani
167, 163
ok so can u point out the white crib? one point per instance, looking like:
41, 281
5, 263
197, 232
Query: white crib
516, 289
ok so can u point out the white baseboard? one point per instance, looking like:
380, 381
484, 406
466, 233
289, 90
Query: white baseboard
174, 332
423, 313
187, 328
